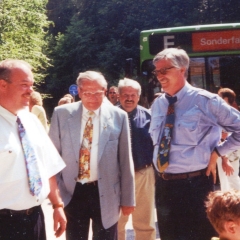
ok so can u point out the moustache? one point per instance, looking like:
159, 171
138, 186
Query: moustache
129, 101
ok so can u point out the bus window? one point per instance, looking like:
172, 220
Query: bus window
196, 73
213, 71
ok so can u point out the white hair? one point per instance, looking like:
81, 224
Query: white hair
126, 82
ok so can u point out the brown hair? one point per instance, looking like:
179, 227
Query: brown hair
229, 93
222, 207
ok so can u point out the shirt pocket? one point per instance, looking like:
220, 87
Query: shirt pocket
187, 128
8, 170
156, 127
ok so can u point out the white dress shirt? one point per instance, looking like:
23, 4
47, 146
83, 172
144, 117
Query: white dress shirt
14, 188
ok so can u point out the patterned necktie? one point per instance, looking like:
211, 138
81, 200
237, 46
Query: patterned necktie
34, 179
164, 146
85, 150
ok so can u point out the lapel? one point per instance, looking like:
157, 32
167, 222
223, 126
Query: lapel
74, 124
104, 128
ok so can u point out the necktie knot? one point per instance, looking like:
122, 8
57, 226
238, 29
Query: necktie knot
18, 121
171, 100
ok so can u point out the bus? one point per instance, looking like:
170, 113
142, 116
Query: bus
214, 52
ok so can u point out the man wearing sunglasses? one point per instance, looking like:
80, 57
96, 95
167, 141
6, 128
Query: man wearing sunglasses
94, 141
186, 169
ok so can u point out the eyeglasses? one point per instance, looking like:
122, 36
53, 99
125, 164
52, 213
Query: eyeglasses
95, 94
162, 71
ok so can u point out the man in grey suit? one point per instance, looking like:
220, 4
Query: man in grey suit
93, 139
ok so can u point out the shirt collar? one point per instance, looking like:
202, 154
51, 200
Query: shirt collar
85, 111
183, 91
132, 113
180, 94
10, 117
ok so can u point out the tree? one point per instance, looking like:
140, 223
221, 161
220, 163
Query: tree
22, 31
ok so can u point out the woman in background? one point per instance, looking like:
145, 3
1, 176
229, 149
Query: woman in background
228, 166
35, 107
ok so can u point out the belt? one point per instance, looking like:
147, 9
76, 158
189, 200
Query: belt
143, 167
94, 183
10, 212
177, 176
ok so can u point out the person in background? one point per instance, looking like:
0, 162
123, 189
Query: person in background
223, 211
94, 140
28, 160
64, 100
228, 166
186, 159
142, 151
36, 107
113, 95
69, 96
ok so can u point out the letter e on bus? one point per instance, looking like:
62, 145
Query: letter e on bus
166, 41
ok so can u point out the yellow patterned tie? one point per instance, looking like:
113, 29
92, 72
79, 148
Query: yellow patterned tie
85, 150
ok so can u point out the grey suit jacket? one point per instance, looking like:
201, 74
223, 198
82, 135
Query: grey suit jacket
115, 165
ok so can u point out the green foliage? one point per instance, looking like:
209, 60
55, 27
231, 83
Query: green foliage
22, 30
102, 34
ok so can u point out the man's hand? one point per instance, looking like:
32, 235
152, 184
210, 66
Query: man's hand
59, 217
126, 211
60, 221
226, 166
211, 169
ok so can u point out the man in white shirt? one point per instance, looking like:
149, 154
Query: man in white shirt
94, 140
21, 195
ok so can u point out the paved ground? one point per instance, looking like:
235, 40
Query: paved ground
47, 209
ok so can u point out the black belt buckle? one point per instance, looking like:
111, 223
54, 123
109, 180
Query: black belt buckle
94, 183
29, 211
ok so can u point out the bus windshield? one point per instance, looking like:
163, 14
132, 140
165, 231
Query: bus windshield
214, 52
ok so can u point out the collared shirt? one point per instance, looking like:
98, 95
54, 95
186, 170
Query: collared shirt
14, 188
142, 146
199, 116
95, 139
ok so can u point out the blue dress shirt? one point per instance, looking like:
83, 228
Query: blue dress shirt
199, 118
142, 146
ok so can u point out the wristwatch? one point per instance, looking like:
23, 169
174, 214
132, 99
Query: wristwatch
57, 205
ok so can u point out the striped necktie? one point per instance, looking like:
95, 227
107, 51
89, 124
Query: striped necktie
34, 179
165, 143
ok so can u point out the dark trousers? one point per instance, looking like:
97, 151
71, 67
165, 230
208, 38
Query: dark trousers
180, 208
22, 226
85, 205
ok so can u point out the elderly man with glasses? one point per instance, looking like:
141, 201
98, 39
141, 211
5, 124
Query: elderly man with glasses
186, 169
94, 141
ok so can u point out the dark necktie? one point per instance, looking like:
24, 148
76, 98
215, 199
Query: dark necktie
165, 142
34, 179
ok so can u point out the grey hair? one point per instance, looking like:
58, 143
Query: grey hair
7, 65
126, 82
91, 76
178, 58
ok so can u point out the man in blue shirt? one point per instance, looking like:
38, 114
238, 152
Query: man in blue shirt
142, 151
193, 151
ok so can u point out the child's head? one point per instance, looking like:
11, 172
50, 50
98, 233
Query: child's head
223, 211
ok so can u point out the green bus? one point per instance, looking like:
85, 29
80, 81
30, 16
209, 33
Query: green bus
214, 51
